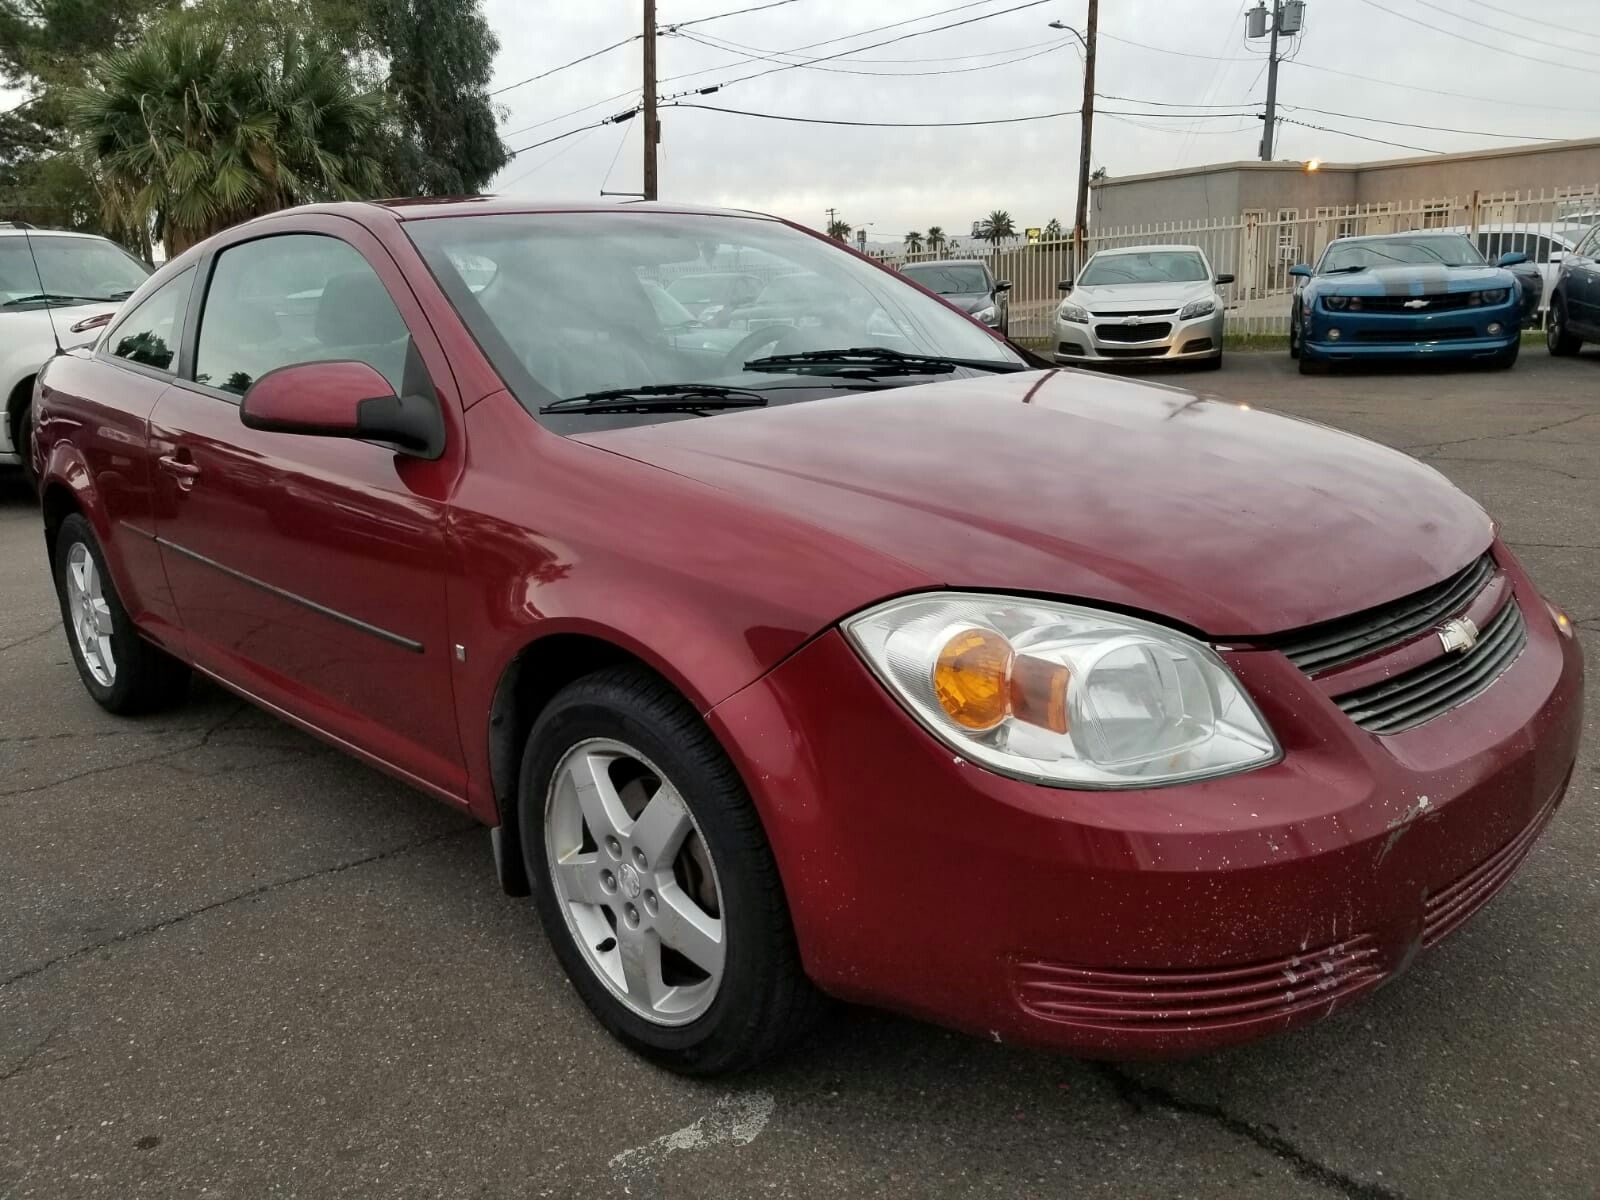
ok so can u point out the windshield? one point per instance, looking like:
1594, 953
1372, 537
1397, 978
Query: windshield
576, 306
1433, 250
77, 268
948, 280
1145, 266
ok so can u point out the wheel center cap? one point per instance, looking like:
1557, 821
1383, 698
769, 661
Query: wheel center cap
632, 885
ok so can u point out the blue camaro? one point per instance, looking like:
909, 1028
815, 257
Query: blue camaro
1405, 295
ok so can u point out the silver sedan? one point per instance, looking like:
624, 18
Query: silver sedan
1142, 304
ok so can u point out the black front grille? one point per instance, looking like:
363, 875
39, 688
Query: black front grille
1408, 304
1407, 700
1069, 348
1319, 648
1145, 352
1143, 312
1196, 344
1133, 333
1417, 333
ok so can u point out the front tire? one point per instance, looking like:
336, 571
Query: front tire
1210, 364
1294, 335
1507, 358
1557, 337
124, 673
22, 443
654, 881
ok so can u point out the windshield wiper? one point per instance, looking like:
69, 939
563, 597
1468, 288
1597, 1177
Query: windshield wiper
872, 360
1342, 270
58, 298
659, 397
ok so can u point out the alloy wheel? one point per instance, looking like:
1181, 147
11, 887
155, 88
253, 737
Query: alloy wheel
635, 881
1552, 328
91, 614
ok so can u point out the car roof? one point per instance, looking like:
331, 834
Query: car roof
421, 208
12, 231
1398, 234
1151, 248
944, 262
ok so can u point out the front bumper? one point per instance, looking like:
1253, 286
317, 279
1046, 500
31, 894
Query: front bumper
1144, 338
1462, 333
1156, 922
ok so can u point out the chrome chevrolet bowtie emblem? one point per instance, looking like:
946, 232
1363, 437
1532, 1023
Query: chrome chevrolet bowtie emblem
1135, 320
1460, 634
1416, 304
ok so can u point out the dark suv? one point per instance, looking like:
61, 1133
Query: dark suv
1575, 298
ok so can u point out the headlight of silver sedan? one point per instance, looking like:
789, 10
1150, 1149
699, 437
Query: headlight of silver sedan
985, 315
1198, 308
1061, 694
1073, 312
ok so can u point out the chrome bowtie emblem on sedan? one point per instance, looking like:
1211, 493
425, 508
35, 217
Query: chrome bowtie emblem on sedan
1416, 304
1459, 634
1135, 320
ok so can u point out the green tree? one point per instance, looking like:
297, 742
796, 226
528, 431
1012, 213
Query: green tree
935, 238
1052, 231
839, 229
187, 134
996, 227
913, 242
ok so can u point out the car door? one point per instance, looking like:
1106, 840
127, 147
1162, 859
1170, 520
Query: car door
310, 571
1581, 272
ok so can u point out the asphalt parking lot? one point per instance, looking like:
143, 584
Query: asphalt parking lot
235, 963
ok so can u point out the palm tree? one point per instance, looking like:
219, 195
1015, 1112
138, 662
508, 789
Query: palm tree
935, 238
188, 134
1052, 230
996, 227
839, 229
913, 242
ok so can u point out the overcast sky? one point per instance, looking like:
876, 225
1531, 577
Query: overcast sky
903, 179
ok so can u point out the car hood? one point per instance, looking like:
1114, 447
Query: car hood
1136, 297
1230, 521
968, 301
1413, 281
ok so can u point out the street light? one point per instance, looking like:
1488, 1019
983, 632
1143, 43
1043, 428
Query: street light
1069, 29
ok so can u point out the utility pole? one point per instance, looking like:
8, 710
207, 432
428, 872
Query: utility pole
652, 130
1272, 84
1080, 223
833, 215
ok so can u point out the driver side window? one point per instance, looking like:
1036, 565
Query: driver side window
296, 298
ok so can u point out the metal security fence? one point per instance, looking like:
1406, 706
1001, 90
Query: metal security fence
1258, 247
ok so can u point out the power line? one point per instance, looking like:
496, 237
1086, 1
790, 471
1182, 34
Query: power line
616, 120
546, 74
539, 166
719, 16
1508, 13
1360, 137
873, 46
757, 50
1182, 53
744, 112
1412, 87
1549, 62
1518, 137
1526, 37
1036, 52
1184, 130
573, 113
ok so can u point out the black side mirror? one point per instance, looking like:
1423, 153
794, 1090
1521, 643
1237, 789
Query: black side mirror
1065, 285
1002, 285
1222, 279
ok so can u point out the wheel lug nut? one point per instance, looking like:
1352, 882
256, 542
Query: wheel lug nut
633, 915
639, 859
608, 881
650, 903
614, 847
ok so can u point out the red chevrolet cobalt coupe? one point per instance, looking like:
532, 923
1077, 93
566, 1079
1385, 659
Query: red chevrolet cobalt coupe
829, 648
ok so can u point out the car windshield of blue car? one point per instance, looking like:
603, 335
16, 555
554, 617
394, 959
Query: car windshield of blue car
1435, 250
1151, 266
597, 302
948, 280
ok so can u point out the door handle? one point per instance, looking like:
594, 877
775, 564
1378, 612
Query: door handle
186, 472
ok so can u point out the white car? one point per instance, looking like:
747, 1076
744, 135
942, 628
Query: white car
66, 286
1142, 304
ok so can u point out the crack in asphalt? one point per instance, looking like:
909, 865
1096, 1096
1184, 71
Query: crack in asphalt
1490, 437
25, 1063
1136, 1094
249, 893
1552, 546
1493, 461
32, 637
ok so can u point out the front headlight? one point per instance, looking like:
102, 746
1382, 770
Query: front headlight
1073, 312
1494, 296
986, 315
1198, 308
1335, 303
1061, 694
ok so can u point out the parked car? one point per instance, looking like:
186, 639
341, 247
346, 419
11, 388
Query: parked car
870, 661
709, 295
1575, 298
1543, 246
969, 285
63, 288
1142, 303
1421, 294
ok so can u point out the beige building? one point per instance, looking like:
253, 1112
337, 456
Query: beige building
1456, 184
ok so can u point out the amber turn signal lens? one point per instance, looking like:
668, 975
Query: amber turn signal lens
972, 678
1039, 693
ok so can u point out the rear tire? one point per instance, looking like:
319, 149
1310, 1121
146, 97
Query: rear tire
1557, 337
623, 910
22, 435
124, 673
